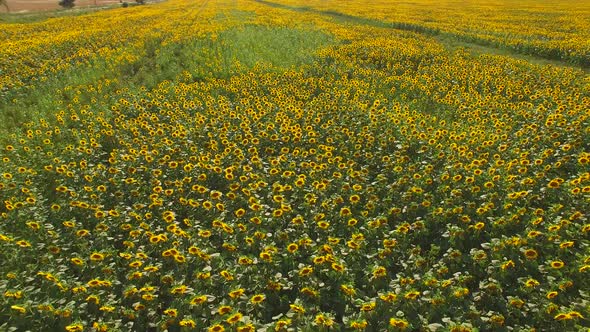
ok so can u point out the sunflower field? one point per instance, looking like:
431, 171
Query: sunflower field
287, 165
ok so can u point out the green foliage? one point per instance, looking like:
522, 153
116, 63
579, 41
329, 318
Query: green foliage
279, 47
67, 3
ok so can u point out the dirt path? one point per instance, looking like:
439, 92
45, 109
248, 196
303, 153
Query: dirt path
40, 5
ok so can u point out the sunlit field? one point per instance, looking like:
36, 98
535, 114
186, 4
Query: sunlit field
290, 165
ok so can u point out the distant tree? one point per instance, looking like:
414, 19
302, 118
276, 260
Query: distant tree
67, 3
141, 2
5, 4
